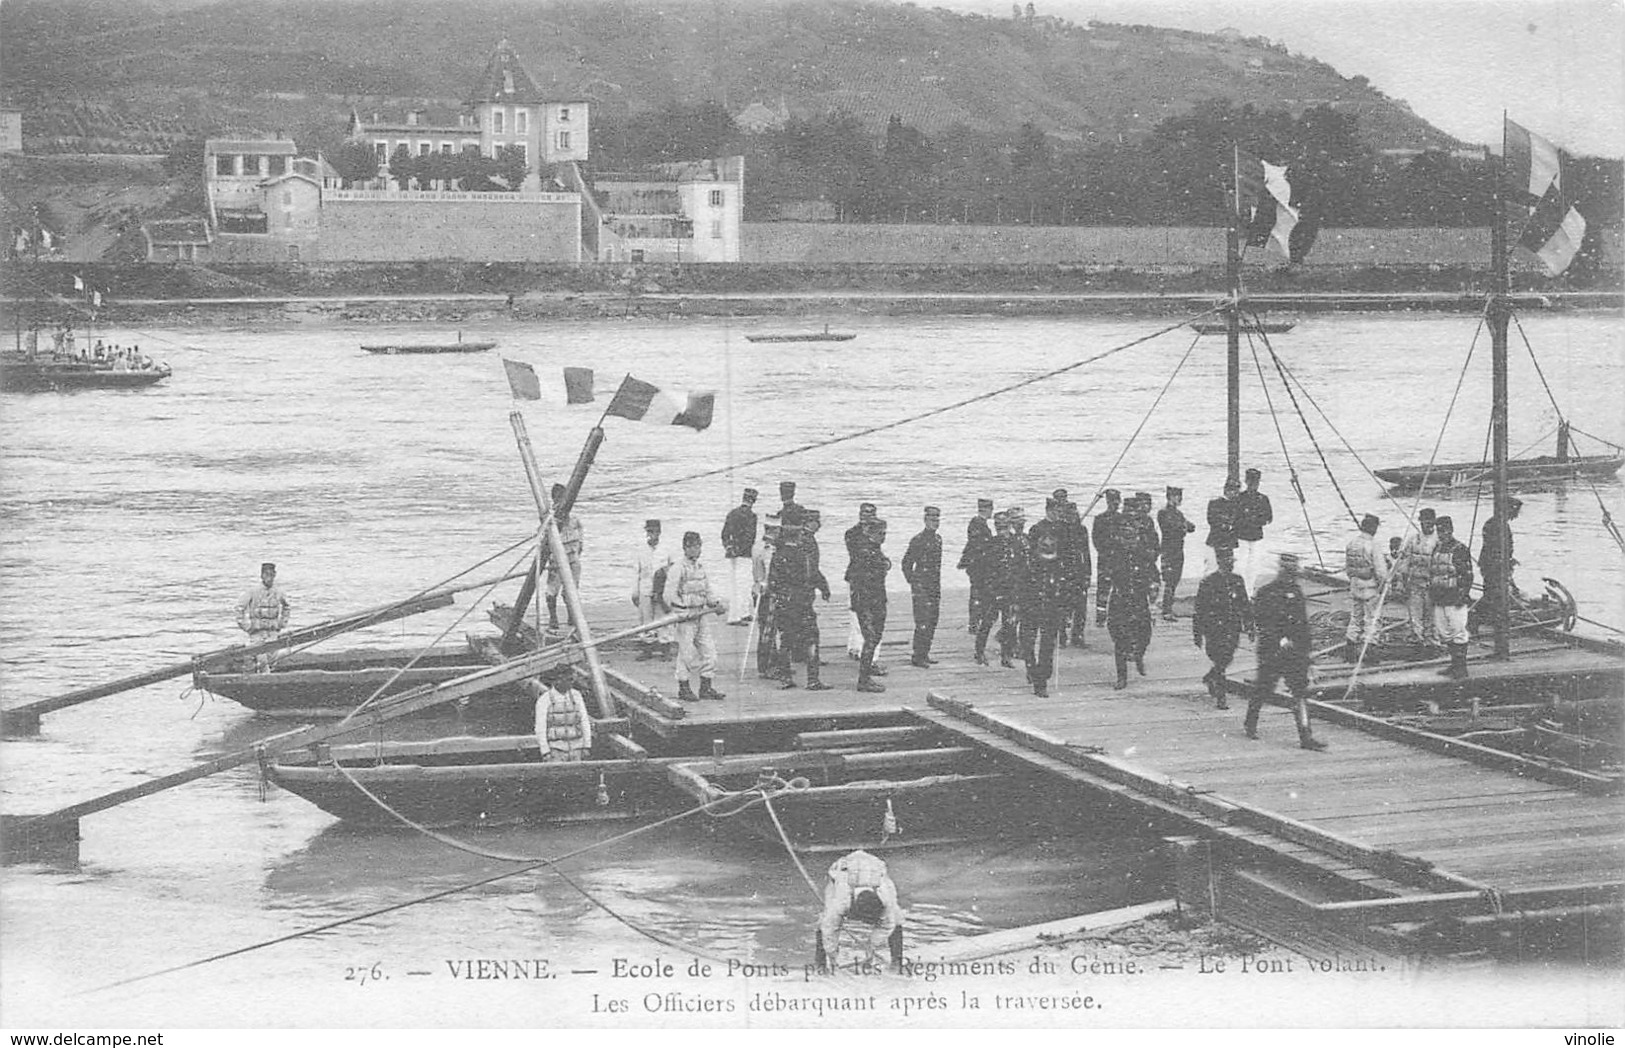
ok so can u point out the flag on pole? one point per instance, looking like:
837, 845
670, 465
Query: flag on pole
1269, 214
522, 380
644, 402
578, 386
1539, 177
78, 285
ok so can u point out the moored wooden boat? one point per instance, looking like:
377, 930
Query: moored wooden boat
826, 801
331, 684
1268, 327
825, 335
1544, 469
471, 781
394, 348
18, 371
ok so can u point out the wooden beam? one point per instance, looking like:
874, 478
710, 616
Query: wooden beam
824, 740
1038, 936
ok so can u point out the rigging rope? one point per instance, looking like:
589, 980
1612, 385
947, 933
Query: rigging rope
1095, 498
1275, 420
1281, 370
907, 420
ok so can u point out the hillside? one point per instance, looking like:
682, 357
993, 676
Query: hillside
149, 72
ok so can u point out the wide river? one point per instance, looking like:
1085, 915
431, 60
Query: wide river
133, 522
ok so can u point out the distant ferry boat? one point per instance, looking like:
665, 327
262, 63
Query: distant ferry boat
24, 371
1268, 327
392, 348
825, 335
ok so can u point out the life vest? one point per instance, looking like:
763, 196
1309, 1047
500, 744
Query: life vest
1357, 560
264, 610
1443, 578
562, 725
858, 870
693, 588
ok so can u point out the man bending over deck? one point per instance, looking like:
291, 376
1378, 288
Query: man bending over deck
859, 887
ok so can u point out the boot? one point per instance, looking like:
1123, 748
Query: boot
1139, 664
685, 693
552, 613
1250, 724
1077, 637
1307, 741
1122, 673
707, 691
1457, 670
1041, 689
869, 686
813, 683
1007, 662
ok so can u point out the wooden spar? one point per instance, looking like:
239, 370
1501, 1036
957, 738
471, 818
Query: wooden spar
567, 582
1499, 313
527, 592
1232, 272
387, 709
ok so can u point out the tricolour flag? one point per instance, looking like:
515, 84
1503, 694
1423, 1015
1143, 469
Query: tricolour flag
1269, 214
578, 385
522, 380
643, 402
1539, 177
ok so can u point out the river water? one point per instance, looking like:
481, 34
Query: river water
134, 521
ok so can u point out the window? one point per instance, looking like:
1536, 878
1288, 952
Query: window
716, 229
424, 148
564, 140
496, 121
279, 165
521, 122
564, 114
637, 254
223, 164
716, 198
382, 149
445, 148
287, 198
521, 151
293, 252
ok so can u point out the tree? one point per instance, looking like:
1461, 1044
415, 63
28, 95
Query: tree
403, 167
355, 162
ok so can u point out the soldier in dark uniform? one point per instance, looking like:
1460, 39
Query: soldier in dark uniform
978, 537
1043, 609
1080, 567
1004, 571
866, 575
1134, 586
1253, 515
922, 567
1174, 525
1106, 524
853, 538
1284, 648
787, 495
1495, 564
795, 579
1221, 523
1223, 612
738, 542
1450, 583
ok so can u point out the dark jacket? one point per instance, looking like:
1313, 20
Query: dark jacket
739, 532
1006, 562
978, 537
1107, 523
1044, 591
1282, 614
922, 562
1137, 549
1174, 525
1221, 523
1222, 607
866, 572
1253, 513
1495, 548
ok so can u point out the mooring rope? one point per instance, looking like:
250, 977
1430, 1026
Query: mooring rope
1101, 487
1275, 420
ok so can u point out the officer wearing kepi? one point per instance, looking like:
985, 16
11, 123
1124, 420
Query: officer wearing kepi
922, 567
1284, 649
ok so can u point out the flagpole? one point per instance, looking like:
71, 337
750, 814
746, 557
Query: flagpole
1499, 314
1232, 263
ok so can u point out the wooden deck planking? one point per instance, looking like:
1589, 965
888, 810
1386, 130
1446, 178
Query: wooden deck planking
1385, 794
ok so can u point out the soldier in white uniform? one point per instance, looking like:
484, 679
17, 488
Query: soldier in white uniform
263, 613
1365, 562
648, 591
688, 588
859, 887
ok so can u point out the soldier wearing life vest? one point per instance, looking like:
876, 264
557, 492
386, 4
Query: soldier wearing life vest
688, 588
263, 613
563, 726
1414, 556
859, 887
1366, 564
1450, 583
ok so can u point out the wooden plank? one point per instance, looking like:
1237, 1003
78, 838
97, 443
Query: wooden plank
1209, 804
1036, 936
626, 748
823, 740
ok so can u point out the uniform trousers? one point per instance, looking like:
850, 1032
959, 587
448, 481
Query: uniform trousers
1220, 648
1173, 569
740, 571
1294, 669
696, 649
1450, 621
927, 609
1365, 616
1250, 554
1038, 635
997, 608
263, 661
871, 616
1419, 609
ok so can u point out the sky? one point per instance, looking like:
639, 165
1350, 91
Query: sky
1555, 66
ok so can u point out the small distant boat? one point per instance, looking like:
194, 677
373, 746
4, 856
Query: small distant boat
1540, 469
392, 348
1268, 327
331, 684
31, 372
825, 335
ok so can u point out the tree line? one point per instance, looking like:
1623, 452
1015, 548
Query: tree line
1177, 175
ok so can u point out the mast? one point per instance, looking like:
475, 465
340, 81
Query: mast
1232, 273
1499, 313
